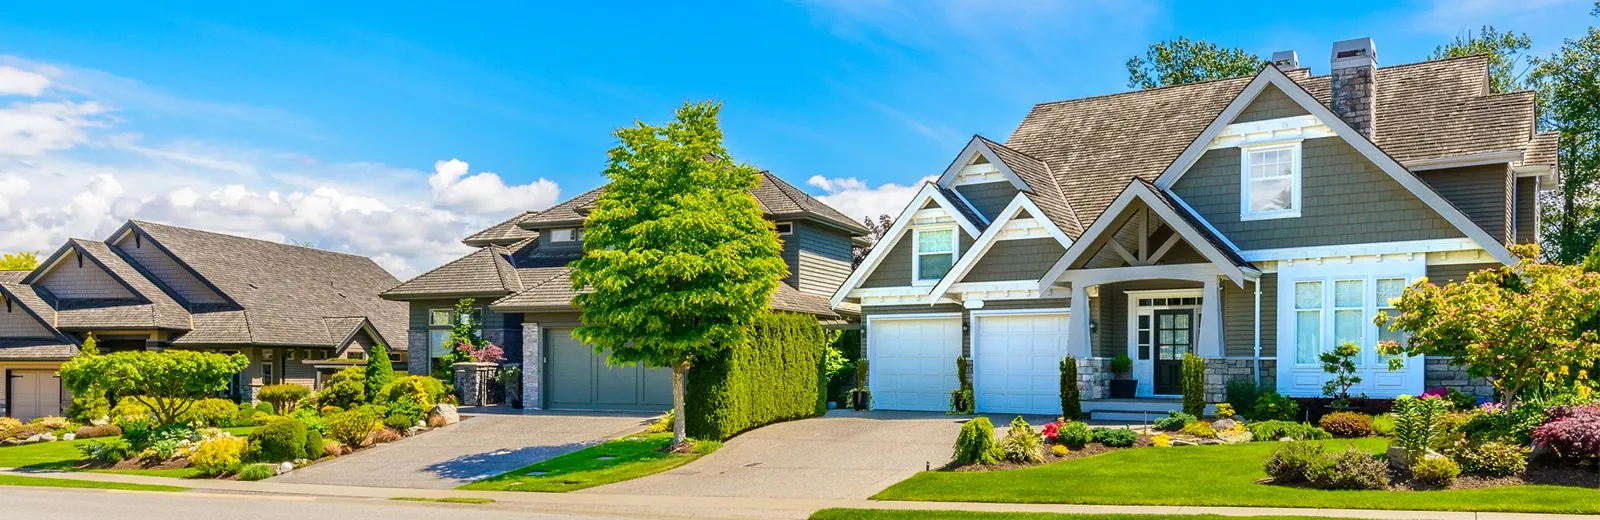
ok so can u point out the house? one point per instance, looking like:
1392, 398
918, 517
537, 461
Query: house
1256, 222
298, 313
520, 283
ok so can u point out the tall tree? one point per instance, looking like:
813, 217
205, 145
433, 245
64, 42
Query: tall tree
379, 370
875, 233
1568, 83
677, 259
1508, 61
23, 261
1183, 61
166, 382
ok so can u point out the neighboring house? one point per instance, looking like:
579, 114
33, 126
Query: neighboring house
1256, 222
298, 313
520, 281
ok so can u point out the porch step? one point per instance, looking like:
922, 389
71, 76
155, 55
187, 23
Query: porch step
1134, 405
1128, 416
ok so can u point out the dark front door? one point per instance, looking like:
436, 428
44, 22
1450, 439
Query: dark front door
1174, 339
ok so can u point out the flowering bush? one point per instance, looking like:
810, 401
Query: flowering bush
1059, 450
218, 455
1052, 430
1074, 435
488, 353
1573, 431
1162, 440
1200, 429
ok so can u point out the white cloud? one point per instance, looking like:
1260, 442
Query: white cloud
15, 81
486, 192
854, 197
33, 128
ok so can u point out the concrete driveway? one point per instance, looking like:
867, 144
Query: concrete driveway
479, 446
842, 455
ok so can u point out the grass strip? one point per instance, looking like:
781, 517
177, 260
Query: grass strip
19, 480
614, 461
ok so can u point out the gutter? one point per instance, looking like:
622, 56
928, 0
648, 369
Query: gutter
1258, 333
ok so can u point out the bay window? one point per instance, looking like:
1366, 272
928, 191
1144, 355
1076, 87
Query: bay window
1307, 322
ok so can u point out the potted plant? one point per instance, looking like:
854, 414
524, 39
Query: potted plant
1124, 386
860, 396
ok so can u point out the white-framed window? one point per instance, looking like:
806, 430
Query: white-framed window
785, 228
266, 372
566, 235
1269, 181
439, 317
934, 255
1308, 300
1349, 314
1388, 290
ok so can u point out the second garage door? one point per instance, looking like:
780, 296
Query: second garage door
1016, 363
576, 378
34, 394
913, 362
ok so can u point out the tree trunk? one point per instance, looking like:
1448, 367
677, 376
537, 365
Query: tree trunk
679, 426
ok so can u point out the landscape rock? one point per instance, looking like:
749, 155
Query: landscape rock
447, 412
285, 467
37, 437
47, 437
1184, 442
1236, 437
1399, 460
1224, 424
69, 437
11, 442
414, 430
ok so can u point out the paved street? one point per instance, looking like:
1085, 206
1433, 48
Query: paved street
62, 504
479, 447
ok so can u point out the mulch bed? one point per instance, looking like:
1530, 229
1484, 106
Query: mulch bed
133, 464
1540, 472
1089, 450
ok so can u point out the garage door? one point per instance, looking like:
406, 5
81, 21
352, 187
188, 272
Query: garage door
1016, 363
578, 379
913, 362
34, 393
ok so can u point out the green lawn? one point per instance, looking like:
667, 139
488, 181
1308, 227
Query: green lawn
1214, 476
888, 514
447, 500
630, 459
64, 455
16, 480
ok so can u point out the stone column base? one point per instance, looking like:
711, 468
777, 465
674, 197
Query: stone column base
532, 366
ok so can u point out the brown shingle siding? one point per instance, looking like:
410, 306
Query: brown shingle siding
1481, 192
1526, 217
988, 198
1025, 259
1270, 104
1239, 326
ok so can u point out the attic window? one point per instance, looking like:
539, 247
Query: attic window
785, 228
935, 254
1269, 181
566, 235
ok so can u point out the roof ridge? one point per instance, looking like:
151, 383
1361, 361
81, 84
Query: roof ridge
241, 237
441, 266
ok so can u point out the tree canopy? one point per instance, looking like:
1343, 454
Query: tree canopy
167, 382
1183, 61
1568, 83
677, 258
23, 261
1508, 62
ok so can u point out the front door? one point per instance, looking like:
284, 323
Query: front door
1174, 330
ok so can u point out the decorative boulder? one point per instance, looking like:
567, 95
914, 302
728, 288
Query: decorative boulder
69, 437
285, 467
1399, 460
1224, 424
37, 437
47, 437
1232, 437
447, 412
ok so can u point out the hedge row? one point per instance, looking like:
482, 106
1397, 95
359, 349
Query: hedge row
774, 376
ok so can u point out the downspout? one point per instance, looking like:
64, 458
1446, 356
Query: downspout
1258, 333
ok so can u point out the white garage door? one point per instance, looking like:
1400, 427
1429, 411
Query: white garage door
35, 394
913, 362
1017, 362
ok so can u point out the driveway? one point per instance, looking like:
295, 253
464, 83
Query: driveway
479, 446
842, 455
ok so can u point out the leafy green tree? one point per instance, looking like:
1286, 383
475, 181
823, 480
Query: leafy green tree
166, 382
677, 259
1519, 326
380, 371
1183, 61
91, 405
1508, 61
464, 329
24, 261
1568, 83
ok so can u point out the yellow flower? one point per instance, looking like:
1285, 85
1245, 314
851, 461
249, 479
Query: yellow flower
1162, 440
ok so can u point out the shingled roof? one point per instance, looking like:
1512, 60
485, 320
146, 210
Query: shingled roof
556, 294
505, 233
778, 200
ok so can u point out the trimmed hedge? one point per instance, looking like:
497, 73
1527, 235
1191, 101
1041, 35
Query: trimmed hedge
773, 377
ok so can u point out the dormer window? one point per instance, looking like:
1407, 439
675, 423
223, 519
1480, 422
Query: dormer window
785, 228
935, 254
566, 235
1270, 181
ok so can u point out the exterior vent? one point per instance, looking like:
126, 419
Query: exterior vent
1286, 60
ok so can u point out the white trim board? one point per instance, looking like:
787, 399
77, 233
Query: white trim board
1270, 75
976, 145
985, 241
1141, 191
896, 231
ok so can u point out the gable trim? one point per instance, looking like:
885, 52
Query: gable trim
901, 224
36, 317
990, 236
1142, 192
1270, 75
132, 227
60, 255
977, 146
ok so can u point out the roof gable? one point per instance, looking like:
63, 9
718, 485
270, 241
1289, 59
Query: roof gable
72, 273
1021, 207
930, 193
1186, 225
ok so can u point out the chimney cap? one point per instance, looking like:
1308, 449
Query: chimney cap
1359, 52
1286, 60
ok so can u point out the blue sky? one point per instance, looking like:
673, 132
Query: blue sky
338, 124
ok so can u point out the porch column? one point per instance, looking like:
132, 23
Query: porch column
1078, 322
532, 366
1209, 344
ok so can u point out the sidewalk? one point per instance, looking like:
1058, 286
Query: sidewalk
732, 507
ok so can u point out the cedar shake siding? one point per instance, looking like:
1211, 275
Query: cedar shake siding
72, 280
17, 323
1345, 199
1481, 192
1526, 218
1025, 259
1444, 274
818, 258
1112, 315
895, 268
1239, 318
1270, 104
167, 270
988, 198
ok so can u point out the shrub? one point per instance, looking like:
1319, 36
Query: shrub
1194, 385
1060, 451
109, 451
399, 420
1490, 458
1242, 393
9, 426
1383, 425
1199, 429
258, 471
1274, 430
1436, 471
379, 371
137, 429
961, 398
345, 389
313, 444
771, 377
1224, 410
163, 449
213, 413
1174, 421
264, 408
1341, 363
1352, 469
664, 424
1572, 431
89, 407
279, 440
975, 444
51, 423
1071, 397
1271, 406
1347, 424
1161, 440
1115, 437
385, 436
1122, 364
284, 397
1417, 423
90, 432
1074, 435
332, 448
352, 427
218, 455
1294, 462
1021, 444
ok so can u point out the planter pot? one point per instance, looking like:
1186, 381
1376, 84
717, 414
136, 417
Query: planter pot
861, 401
1124, 388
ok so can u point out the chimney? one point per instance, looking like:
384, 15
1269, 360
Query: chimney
1286, 60
1354, 84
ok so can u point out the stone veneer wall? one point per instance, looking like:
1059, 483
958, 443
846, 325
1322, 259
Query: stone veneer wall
531, 365
1221, 370
418, 359
1437, 371
1094, 378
